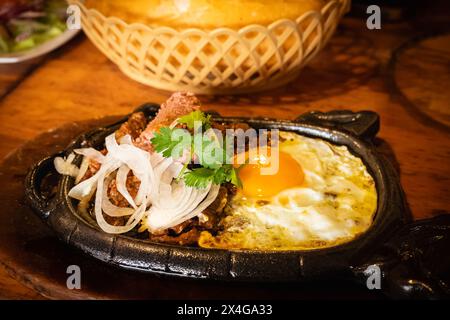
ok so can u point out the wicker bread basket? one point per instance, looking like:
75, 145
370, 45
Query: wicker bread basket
218, 61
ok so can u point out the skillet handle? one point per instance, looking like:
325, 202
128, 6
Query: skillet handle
414, 263
363, 124
33, 193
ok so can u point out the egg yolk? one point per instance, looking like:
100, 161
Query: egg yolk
257, 185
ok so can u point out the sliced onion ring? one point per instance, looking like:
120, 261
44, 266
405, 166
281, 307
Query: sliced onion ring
91, 153
104, 225
160, 219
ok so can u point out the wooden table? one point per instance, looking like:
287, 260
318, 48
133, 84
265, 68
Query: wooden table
354, 72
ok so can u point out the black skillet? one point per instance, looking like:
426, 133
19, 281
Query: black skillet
412, 258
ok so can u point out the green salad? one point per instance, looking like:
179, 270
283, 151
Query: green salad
25, 24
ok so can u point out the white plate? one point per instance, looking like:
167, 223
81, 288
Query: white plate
40, 50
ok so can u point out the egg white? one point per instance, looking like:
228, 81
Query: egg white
336, 203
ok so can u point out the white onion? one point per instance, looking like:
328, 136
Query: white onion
156, 159
175, 202
86, 187
130, 158
212, 195
126, 139
104, 225
91, 153
167, 171
159, 218
88, 155
136, 159
65, 166
172, 202
83, 169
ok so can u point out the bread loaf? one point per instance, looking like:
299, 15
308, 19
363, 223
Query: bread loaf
204, 14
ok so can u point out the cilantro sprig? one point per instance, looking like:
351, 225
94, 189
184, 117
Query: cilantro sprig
201, 177
163, 143
196, 117
175, 141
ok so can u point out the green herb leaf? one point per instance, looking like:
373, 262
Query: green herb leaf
215, 167
234, 178
196, 116
163, 142
221, 175
199, 177
212, 154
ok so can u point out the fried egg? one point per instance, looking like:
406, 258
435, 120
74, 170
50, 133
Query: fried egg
321, 196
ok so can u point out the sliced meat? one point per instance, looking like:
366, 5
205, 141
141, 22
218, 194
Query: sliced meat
115, 221
214, 212
116, 198
134, 126
184, 226
184, 239
179, 104
93, 167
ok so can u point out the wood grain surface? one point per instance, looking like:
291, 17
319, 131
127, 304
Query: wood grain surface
353, 72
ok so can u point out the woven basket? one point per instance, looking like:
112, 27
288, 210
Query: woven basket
219, 61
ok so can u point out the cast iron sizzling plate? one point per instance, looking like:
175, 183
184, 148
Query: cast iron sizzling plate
399, 248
